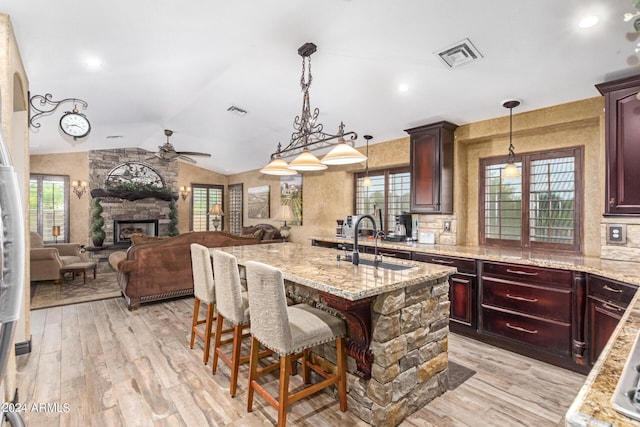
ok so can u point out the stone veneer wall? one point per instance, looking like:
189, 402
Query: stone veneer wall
409, 343
102, 161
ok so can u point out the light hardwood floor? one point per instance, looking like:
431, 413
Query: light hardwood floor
114, 367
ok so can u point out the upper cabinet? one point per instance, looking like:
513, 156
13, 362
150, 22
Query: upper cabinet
622, 117
432, 168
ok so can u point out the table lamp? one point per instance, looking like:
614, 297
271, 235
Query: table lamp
216, 215
285, 214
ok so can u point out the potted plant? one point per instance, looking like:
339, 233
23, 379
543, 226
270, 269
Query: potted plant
97, 222
173, 219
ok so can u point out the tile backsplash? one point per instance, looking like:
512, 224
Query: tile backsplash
436, 225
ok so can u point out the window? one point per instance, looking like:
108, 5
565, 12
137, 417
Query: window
48, 202
235, 208
389, 191
204, 196
541, 209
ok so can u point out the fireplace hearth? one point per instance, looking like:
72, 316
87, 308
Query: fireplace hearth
124, 229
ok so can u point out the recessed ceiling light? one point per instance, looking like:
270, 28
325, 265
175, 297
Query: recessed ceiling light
588, 21
93, 63
403, 87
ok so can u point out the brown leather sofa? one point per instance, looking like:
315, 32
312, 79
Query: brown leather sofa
159, 269
267, 233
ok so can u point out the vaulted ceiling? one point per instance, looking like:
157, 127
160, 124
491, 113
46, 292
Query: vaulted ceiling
148, 65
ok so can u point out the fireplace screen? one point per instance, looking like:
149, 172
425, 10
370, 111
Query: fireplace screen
123, 230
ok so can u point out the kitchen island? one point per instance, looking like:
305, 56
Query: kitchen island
397, 322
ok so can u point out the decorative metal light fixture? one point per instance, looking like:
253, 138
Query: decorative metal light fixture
366, 182
511, 170
184, 192
309, 135
216, 215
79, 187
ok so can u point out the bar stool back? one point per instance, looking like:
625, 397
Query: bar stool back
203, 290
289, 331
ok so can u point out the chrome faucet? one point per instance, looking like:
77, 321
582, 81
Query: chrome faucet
355, 257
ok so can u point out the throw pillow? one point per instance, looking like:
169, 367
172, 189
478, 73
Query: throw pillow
269, 235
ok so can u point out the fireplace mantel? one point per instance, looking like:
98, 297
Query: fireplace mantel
132, 195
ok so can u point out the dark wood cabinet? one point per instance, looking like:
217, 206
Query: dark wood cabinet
529, 307
607, 301
622, 124
432, 167
462, 290
392, 253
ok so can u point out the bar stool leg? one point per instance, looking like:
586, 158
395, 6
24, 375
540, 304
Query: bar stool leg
283, 398
194, 323
253, 370
207, 332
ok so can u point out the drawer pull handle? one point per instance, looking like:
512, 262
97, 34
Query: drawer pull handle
522, 298
522, 273
388, 254
611, 307
518, 328
441, 261
617, 291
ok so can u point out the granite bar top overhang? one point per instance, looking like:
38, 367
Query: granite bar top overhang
319, 269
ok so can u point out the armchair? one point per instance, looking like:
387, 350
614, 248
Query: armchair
47, 260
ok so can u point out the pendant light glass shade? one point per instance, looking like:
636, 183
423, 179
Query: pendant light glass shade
342, 154
510, 171
278, 167
366, 182
306, 162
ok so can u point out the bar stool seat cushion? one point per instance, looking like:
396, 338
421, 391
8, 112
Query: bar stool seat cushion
310, 327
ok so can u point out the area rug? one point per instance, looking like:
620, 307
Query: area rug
46, 294
458, 374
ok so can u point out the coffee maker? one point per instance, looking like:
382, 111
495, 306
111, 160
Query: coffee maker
349, 225
405, 220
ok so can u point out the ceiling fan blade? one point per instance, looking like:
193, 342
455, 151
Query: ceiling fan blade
193, 153
187, 159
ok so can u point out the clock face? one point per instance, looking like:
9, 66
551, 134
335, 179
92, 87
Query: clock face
75, 125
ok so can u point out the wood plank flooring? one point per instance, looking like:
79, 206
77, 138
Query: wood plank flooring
113, 367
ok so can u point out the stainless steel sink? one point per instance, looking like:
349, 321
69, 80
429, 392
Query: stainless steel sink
626, 398
386, 265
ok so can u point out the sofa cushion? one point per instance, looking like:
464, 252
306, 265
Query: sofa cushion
141, 239
269, 234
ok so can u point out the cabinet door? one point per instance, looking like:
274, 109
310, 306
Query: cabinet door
462, 291
603, 319
432, 168
622, 113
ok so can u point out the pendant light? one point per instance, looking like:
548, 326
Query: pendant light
278, 167
511, 170
366, 182
306, 162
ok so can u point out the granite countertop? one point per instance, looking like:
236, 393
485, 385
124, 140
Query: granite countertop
318, 268
624, 271
592, 406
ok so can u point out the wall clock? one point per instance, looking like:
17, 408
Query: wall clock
75, 124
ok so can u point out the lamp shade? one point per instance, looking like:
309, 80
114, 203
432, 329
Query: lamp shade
342, 154
278, 167
306, 162
285, 214
366, 182
216, 210
510, 171
55, 230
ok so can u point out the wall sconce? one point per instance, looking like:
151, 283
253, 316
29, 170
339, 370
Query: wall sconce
184, 192
55, 232
79, 187
216, 216
285, 214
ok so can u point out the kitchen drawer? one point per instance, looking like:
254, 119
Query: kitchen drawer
539, 301
549, 335
529, 274
462, 264
610, 290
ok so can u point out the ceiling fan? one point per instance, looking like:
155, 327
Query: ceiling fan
167, 152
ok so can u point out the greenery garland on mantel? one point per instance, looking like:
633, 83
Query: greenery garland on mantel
131, 192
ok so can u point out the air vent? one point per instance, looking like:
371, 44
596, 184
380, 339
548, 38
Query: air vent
459, 54
237, 110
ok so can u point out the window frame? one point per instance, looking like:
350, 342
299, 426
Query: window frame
385, 209
40, 178
208, 187
525, 159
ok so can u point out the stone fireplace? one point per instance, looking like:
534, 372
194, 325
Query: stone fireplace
124, 229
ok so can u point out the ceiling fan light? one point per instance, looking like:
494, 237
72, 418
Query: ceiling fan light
510, 171
306, 162
342, 154
277, 167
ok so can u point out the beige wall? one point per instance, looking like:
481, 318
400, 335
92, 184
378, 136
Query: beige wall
567, 125
327, 195
188, 175
76, 167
